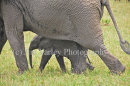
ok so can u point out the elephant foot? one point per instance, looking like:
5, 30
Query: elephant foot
90, 67
40, 70
78, 69
117, 67
22, 71
64, 71
22, 68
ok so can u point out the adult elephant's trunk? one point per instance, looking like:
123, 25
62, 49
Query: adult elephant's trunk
124, 44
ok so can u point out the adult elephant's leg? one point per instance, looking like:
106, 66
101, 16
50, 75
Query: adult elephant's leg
95, 43
13, 21
60, 60
89, 34
44, 61
111, 62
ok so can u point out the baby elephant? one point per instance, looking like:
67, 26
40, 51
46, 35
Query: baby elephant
73, 51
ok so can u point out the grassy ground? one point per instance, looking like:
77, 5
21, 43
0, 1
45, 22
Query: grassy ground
52, 75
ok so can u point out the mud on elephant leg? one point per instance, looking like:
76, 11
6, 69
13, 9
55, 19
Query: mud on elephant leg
111, 62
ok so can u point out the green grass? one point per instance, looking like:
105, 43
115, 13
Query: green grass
52, 75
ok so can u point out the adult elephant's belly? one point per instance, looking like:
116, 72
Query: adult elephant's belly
51, 24
77, 22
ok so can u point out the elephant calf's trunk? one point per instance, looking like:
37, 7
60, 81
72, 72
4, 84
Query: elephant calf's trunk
30, 57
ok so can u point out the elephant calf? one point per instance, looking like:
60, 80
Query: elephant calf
60, 48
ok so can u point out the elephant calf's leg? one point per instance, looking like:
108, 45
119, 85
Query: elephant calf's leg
44, 61
89, 66
61, 62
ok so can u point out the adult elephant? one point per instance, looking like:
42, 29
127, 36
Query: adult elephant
76, 20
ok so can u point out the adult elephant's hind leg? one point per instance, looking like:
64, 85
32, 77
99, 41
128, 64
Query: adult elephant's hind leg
89, 35
111, 62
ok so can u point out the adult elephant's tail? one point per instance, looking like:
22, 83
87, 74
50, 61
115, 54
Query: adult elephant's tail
124, 44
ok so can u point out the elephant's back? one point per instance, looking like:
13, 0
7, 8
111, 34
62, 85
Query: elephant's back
72, 5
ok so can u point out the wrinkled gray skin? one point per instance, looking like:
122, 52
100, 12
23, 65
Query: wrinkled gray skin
75, 20
60, 48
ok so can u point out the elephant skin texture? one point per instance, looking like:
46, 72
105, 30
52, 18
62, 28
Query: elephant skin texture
74, 20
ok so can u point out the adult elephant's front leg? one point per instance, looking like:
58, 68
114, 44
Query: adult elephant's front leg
13, 21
